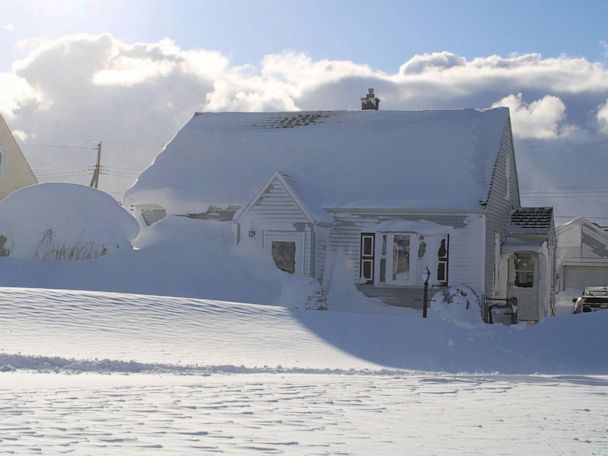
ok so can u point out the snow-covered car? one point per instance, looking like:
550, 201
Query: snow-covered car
592, 299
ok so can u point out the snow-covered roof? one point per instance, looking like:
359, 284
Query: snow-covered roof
337, 159
577, 221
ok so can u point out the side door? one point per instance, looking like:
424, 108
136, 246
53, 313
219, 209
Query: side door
287, 250
523, 284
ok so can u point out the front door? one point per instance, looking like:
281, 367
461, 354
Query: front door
286, 249
523, 284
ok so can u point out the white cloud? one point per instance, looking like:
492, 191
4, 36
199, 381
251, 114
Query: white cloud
435, 61
540, 119
8, 27
602, 117
83, 88
20, 135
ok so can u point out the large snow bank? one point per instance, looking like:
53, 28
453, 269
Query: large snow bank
223, 337
63, 221
222, 159
177, 256
458, 304
342, 294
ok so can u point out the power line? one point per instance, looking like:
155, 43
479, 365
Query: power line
549, 146
58, 146
564, 196
133, 144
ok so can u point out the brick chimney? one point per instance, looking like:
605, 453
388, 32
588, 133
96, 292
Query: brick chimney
370, 101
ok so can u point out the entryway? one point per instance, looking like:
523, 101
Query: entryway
287, 250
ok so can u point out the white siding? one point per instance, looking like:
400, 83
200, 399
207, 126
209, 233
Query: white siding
321, 248
500, 203
465, 249
275, 210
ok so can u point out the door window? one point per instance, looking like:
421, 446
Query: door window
524, 270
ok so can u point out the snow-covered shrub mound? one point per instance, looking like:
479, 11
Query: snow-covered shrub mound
63, 222
458, 304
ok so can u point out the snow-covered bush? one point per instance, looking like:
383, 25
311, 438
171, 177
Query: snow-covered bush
63, 222
459, 304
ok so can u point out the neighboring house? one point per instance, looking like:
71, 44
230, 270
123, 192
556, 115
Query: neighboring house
403, 195
582, 255
15, 172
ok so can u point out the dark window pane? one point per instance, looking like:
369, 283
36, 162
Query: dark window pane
284, 255
367, 246
441, 272
367, 270
443, 251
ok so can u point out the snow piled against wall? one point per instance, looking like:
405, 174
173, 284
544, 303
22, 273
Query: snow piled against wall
51, 221
177, 256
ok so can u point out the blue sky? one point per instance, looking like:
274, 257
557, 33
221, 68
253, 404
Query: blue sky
382, 34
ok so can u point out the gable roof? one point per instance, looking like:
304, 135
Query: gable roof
579, 221
277, 176
363, 159
531, 220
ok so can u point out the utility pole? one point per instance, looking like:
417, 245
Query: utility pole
97, 171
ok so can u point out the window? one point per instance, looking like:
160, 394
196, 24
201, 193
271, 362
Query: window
401, 258
395, 259
284, 255
524, 270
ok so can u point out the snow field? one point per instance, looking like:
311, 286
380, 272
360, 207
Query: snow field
422, 414
112, 373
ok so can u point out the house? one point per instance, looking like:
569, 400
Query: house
582, 255
15, 172
402, 196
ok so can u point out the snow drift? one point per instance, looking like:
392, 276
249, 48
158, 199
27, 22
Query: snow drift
172, 333
63, 221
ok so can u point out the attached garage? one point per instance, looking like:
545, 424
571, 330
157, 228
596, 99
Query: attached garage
585, 276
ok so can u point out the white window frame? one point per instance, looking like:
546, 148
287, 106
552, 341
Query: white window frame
282, 236
388, 273
416, 276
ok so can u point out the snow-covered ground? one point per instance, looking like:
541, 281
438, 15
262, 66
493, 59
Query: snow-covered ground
112, 373
132, 369
296, 414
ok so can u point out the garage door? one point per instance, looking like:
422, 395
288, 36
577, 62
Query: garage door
585, 276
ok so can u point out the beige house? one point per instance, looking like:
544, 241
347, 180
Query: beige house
15, 172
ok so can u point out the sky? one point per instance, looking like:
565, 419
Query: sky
130, 73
